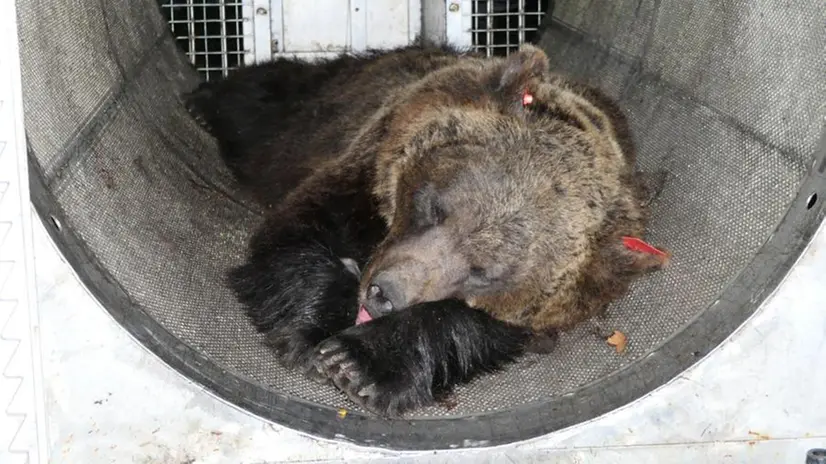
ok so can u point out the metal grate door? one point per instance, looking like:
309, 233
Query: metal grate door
212, 33
498, 27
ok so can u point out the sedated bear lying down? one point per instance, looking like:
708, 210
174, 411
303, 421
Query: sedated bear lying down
461, 209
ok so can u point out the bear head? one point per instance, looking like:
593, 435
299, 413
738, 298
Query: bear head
494, 178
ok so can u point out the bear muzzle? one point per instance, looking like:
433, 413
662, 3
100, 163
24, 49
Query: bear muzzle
406, 285
420, 269
384, 295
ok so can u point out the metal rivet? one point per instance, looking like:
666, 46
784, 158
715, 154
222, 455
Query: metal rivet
454, 7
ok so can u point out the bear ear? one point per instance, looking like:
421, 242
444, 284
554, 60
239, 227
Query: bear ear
524, 66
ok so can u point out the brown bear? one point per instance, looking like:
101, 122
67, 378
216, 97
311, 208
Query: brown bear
488, 201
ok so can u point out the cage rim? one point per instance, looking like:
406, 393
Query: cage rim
712, 326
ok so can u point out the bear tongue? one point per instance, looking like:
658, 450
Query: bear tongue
363, 316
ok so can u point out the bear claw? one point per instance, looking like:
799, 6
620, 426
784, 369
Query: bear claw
334, 361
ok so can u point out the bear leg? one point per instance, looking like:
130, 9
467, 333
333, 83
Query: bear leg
297, 297
300, 283
409, 359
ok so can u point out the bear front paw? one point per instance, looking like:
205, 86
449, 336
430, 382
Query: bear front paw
385, 394
294, 349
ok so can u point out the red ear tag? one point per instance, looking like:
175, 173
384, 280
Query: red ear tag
636, 244
527, 98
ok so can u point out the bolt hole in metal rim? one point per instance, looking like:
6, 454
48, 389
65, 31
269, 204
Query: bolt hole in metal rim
811, 201
816, 456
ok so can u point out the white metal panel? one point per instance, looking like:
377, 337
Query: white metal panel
318, 26
342, 26
358, 25
433, 20
261, 30
248, 30
414, 19
388, 23
458, 22
276, 26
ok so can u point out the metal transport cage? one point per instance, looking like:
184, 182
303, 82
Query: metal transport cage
727, 95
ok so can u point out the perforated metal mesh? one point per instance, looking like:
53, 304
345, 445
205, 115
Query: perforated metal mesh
726, 95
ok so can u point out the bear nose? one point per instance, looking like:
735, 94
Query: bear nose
382, 297
373, 291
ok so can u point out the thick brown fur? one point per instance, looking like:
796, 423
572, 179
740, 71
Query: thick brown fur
483, 224
585, 196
